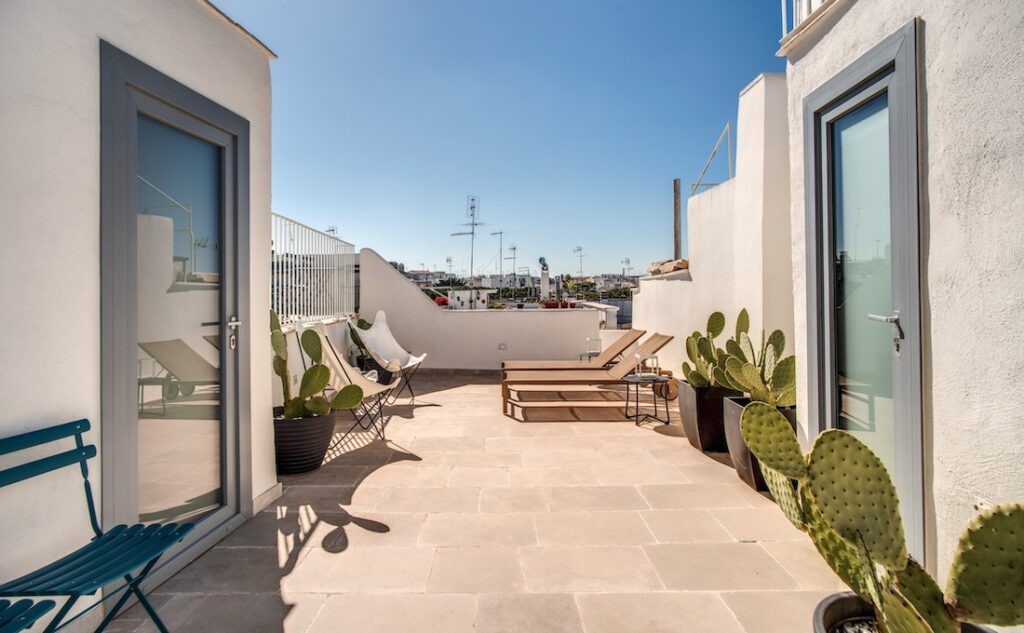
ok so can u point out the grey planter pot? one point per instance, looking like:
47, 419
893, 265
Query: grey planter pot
746, 465
701, 413
301, 443
846, 606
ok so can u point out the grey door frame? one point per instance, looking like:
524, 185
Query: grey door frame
890, 67
128, 88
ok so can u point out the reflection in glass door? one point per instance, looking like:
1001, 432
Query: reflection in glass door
862, 252
179, 312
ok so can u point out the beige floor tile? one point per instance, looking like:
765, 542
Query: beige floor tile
774, 611
803, 562
329, 475
404, 613
325, 499
232, 570
586, 569
362, 570
592, 528
478, 477
527, 613
482, 459
718, 567
641, 473
692, 612
476, 570
595, 498
513, 500
545, 476
407, 475
428, 500
478, 530
674, 496
758, 524
710, 472
694, 525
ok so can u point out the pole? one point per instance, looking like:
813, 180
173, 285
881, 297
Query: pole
501, 254
677, 219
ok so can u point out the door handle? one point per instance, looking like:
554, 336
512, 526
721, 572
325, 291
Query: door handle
233, 323
893, 319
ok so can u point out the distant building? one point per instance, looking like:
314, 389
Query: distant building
473, 299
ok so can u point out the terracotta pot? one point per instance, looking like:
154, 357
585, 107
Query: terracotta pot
301, 443
746, 465
701, 413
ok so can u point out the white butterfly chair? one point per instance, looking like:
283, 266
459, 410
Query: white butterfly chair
370, 413
388, 353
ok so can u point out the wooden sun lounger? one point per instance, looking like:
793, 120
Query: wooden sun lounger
606, 357
555, 379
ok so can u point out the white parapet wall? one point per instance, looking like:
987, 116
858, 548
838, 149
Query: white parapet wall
738, 235
469, 339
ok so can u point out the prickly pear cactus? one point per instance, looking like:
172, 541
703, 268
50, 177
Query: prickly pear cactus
784, 491
856, 497
716, 324
844, 559
899, 615
914, 584
313, 346
986, 582
742, 323
772, 440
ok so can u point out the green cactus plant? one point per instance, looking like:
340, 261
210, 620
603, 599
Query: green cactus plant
841, 494
766, 375
311, 400
707, 368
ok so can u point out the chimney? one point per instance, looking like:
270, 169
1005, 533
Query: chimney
677, 219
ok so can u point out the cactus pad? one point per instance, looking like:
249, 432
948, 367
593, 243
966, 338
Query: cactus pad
314, 381
348, 398
771, 439
279, 344
748, 348
314, 348
318, 405
899, 615
275, 322
716, 324
783, 377
777, 341
733, 348
914, 584
785, 496
844, 559
691, 349
855, 495
742, 322
986, 581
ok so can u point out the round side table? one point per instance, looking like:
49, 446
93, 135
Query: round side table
633, 383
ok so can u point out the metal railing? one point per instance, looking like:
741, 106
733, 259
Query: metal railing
312, 273
726, 135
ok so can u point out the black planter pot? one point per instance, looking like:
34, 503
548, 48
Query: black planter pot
742, 459
701, 413
846, 606
301, 443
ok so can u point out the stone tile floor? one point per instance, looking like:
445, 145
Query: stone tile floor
467, 520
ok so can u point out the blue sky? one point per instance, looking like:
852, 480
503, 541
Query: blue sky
569, 119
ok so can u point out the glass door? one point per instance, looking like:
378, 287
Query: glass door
863, 321
178, 315
174, 204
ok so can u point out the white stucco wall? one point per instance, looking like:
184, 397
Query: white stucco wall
738, 236
468, 339
50, 219
971, 66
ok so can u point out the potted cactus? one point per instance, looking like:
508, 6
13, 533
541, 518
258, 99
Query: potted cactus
304, 425
841, 494
766, 376
701, 394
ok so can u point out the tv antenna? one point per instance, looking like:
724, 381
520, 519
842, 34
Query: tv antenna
473, 213
512, 249
626, 266
501, 250
579, 253
448, 260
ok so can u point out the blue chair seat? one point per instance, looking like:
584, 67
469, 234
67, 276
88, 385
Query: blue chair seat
22, 614
103, 560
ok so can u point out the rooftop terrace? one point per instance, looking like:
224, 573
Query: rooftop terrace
467, 520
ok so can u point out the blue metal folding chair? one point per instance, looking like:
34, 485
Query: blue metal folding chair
22, 614
111, 556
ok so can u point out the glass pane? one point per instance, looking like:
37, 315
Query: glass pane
863, 275
179, 233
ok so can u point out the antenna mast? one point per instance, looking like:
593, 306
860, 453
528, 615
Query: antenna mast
501, 249
579, 253
626, 266
472, 212
515, 280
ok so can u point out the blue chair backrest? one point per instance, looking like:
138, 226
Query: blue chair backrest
78, 455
